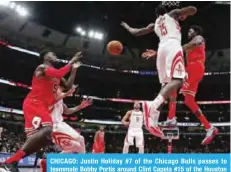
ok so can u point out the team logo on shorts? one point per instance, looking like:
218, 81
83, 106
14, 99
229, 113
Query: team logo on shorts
62, 140
179, 70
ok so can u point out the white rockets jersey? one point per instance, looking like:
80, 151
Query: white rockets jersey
57, 113
167, 27
136, 119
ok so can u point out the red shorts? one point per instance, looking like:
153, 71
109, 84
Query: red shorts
195, 71
98, 149
36, 114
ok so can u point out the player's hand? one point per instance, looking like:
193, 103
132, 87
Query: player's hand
126, 124
76, 57
125, 25
149, 53
85, 103
69, 93
182, 17
76, 65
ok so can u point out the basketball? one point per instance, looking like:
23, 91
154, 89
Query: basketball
115, 47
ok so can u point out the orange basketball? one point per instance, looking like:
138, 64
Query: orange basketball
115, 47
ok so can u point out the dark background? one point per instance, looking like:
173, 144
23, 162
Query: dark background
106, 16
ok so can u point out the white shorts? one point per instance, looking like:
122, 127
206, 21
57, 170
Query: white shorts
170, 61
137, 134
63, 134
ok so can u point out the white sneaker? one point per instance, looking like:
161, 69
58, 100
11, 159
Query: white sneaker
151, 117
211, 133
170, 123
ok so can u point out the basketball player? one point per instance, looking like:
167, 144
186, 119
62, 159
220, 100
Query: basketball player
38, 105
99, 144
170, 62
69, 140
64, 136
195, 57
135, 118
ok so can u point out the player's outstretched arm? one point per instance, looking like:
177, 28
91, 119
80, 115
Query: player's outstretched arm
196, 41
69, 83
84, 104
140, 31
43, 70
69, 93
149, 53
125, 118
183, 13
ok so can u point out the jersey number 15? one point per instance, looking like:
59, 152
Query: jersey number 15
163, 29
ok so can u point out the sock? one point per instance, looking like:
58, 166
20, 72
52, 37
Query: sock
190, 102
16, 157
125, 149
172, 106
158, 101
204, 121
43, 165
141, 149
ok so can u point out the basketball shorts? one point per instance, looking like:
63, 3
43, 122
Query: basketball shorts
98, 149
36, 114
63, 134
134, 134
195, 73
170, 61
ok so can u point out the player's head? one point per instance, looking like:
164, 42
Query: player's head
194, 31
101, 128
48, 56
136, 105
160, 10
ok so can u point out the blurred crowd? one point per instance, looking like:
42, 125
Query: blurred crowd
12, 139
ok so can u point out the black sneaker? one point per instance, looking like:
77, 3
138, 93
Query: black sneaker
9, 167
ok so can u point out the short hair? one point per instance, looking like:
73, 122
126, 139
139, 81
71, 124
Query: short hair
43, 53
197, 29
160, 10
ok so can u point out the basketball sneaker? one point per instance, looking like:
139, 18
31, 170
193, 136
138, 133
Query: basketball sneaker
211, 133
170, 123
9, 167
151, 117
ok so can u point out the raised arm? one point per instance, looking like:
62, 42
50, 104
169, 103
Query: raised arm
196, 41
183, 12
43, 70
69, 83
126, 118
84, 104
139, 32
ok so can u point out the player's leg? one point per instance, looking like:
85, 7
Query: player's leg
140, 141
43, 165
192, 105
171, 120
37, 137
128, 141
172, 72
67, 138
189, 89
